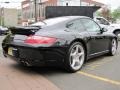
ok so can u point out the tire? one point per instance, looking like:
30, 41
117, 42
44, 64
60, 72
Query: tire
113, 47
75, 57
117, 33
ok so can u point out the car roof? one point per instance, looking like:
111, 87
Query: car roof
55, 20
71, 17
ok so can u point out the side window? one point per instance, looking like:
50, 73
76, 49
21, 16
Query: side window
90, 25
75, 25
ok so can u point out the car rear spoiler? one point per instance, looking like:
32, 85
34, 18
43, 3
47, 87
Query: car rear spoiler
56, 11
24, 30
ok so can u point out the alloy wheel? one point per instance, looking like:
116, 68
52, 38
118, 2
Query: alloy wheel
77, 57
114, 46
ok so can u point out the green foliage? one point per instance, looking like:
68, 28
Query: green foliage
104, 12
98, 13
116, 13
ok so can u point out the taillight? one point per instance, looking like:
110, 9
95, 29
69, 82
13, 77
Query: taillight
40, 40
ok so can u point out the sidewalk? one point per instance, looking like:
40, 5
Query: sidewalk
15, 77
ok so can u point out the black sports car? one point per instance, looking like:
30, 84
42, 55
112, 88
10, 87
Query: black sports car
67, 40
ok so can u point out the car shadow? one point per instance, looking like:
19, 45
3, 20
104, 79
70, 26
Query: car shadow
50, 70
39, 70
96, 59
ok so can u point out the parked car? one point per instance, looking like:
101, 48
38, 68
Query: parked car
113, 27
67, 41
3, 30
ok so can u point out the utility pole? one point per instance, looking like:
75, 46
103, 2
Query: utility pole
35, 3
80, 3
40, 3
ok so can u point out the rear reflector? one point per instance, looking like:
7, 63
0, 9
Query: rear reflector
40, 40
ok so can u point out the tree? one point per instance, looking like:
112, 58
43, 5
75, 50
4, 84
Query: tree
116, 13
106, 13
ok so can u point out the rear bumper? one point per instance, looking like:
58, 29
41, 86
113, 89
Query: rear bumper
37, 56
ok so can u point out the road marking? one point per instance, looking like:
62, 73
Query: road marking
97, 64
100, 78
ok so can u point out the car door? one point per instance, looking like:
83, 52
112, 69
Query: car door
98, 41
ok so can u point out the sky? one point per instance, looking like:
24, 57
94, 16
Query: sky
16, 3
12, 4
112, 3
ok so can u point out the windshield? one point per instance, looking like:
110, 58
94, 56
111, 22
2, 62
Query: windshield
102, 21
49, 22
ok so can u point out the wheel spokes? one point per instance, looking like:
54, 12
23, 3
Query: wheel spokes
73, 63
77, 49
74, 51
80, 54
114, 47
76, 57
73, 54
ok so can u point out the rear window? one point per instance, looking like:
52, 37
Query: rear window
49, 22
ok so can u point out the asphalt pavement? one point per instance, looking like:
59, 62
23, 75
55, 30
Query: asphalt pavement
102, 73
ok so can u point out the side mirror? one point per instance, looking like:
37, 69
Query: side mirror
103, 30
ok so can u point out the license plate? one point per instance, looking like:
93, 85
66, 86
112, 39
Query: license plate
10, 51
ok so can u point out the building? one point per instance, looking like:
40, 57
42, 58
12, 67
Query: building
95, 3
68, 2
8, 16
78, 3
28, 7
28, 10
19, 16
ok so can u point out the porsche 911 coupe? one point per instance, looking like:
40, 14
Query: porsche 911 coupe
68, 41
